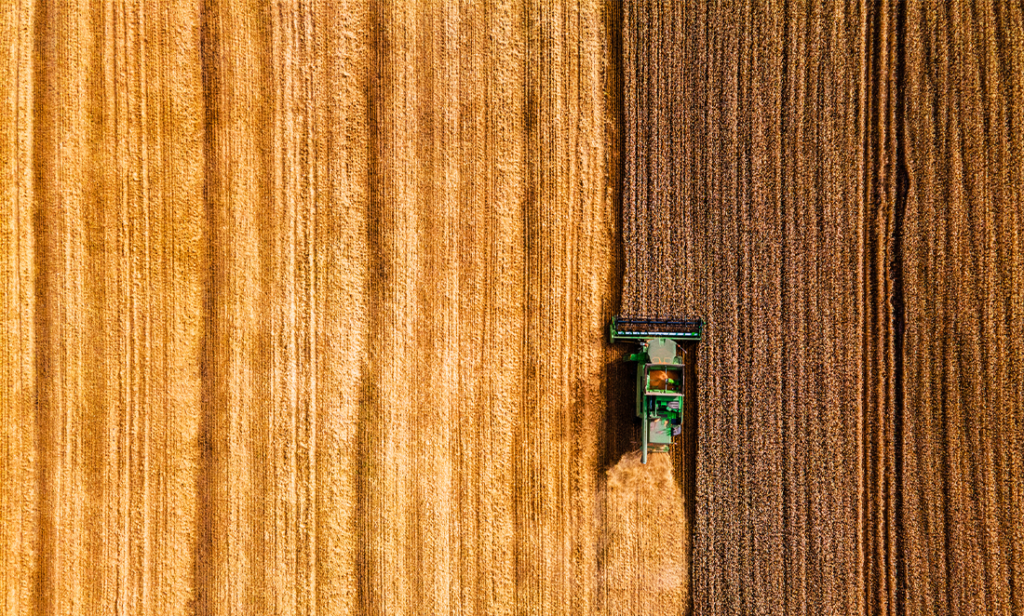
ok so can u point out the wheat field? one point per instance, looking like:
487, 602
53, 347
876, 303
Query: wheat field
303, 306
838, 187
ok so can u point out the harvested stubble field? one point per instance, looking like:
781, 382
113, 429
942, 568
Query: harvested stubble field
303, 304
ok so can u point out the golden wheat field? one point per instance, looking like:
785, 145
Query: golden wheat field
304, 306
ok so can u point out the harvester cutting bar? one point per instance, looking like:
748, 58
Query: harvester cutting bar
642, 329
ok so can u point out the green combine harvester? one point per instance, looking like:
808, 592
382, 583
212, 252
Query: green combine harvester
660, 372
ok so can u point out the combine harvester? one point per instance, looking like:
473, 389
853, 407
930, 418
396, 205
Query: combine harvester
659, 374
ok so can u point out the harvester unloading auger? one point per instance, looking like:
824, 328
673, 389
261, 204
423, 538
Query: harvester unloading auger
660, 374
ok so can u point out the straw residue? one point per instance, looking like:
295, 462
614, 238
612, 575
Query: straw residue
647, 539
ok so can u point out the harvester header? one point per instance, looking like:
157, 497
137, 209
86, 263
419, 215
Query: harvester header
642, 329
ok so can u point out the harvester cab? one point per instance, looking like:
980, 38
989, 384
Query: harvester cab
660, 374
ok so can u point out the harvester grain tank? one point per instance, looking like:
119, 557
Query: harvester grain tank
660, 374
